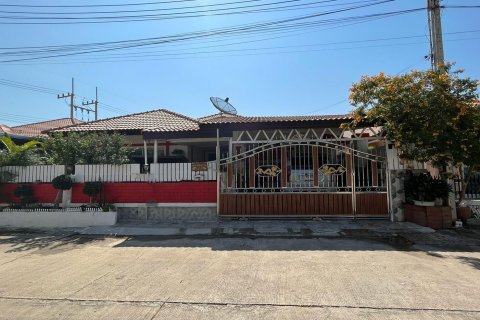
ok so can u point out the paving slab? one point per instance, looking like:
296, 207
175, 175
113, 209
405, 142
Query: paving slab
278, 228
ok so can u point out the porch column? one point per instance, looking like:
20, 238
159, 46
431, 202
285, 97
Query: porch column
145, 151
167, 148
155, 151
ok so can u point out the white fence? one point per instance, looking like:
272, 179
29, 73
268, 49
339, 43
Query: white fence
181, 172
34, 173
159, 172
108, 173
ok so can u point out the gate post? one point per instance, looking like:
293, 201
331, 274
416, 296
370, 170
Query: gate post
349, 159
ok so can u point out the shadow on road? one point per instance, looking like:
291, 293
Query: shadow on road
267, 244
47, 242
471, 261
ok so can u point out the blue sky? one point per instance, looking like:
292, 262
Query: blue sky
306, 71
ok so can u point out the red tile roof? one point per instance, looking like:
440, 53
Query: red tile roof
36, 129
5, 129
162, 120
155, 121
224, 118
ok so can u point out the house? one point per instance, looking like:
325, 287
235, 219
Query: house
300, 166
26, 132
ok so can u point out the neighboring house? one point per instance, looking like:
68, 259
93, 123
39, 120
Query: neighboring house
4, 129
134, 125
36, 129
267, 166
26, 132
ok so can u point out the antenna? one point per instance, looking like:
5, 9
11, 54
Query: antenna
223, 105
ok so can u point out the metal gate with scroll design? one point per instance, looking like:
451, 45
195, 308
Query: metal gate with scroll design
304, 178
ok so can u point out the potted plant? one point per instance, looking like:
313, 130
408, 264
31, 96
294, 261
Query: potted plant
421, 190
463, 212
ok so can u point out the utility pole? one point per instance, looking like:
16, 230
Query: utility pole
435, 29
72, 96
90, 102
84, 103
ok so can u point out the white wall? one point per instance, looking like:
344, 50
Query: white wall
60, 219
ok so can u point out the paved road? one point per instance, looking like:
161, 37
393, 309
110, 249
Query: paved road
46, 276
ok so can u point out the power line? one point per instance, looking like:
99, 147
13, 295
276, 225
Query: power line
194, 35
180, 51
207, 54
22, 85
93, 5
459, 7
50, 91
166, 16
188, 7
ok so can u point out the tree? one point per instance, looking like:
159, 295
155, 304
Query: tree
430, 115
61, 183
92, 189
87, 148
20, 155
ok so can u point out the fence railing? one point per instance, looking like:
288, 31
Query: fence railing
43, 173
473, 188
159, 172
108, 173
182, 172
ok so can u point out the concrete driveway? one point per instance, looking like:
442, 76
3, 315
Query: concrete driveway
56, 276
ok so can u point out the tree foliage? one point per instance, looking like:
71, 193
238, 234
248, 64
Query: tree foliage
29, 153
87, 148
430, 115
62, 182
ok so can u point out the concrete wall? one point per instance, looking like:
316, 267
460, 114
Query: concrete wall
397, 195
165, 212
58, 219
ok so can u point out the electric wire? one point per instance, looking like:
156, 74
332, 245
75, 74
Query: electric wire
156, 17
329, 3
71, 50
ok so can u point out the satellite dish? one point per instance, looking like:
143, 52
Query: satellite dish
223, 105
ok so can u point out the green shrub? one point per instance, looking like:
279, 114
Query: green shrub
25, 193
92, 188
23, 190
62, 182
